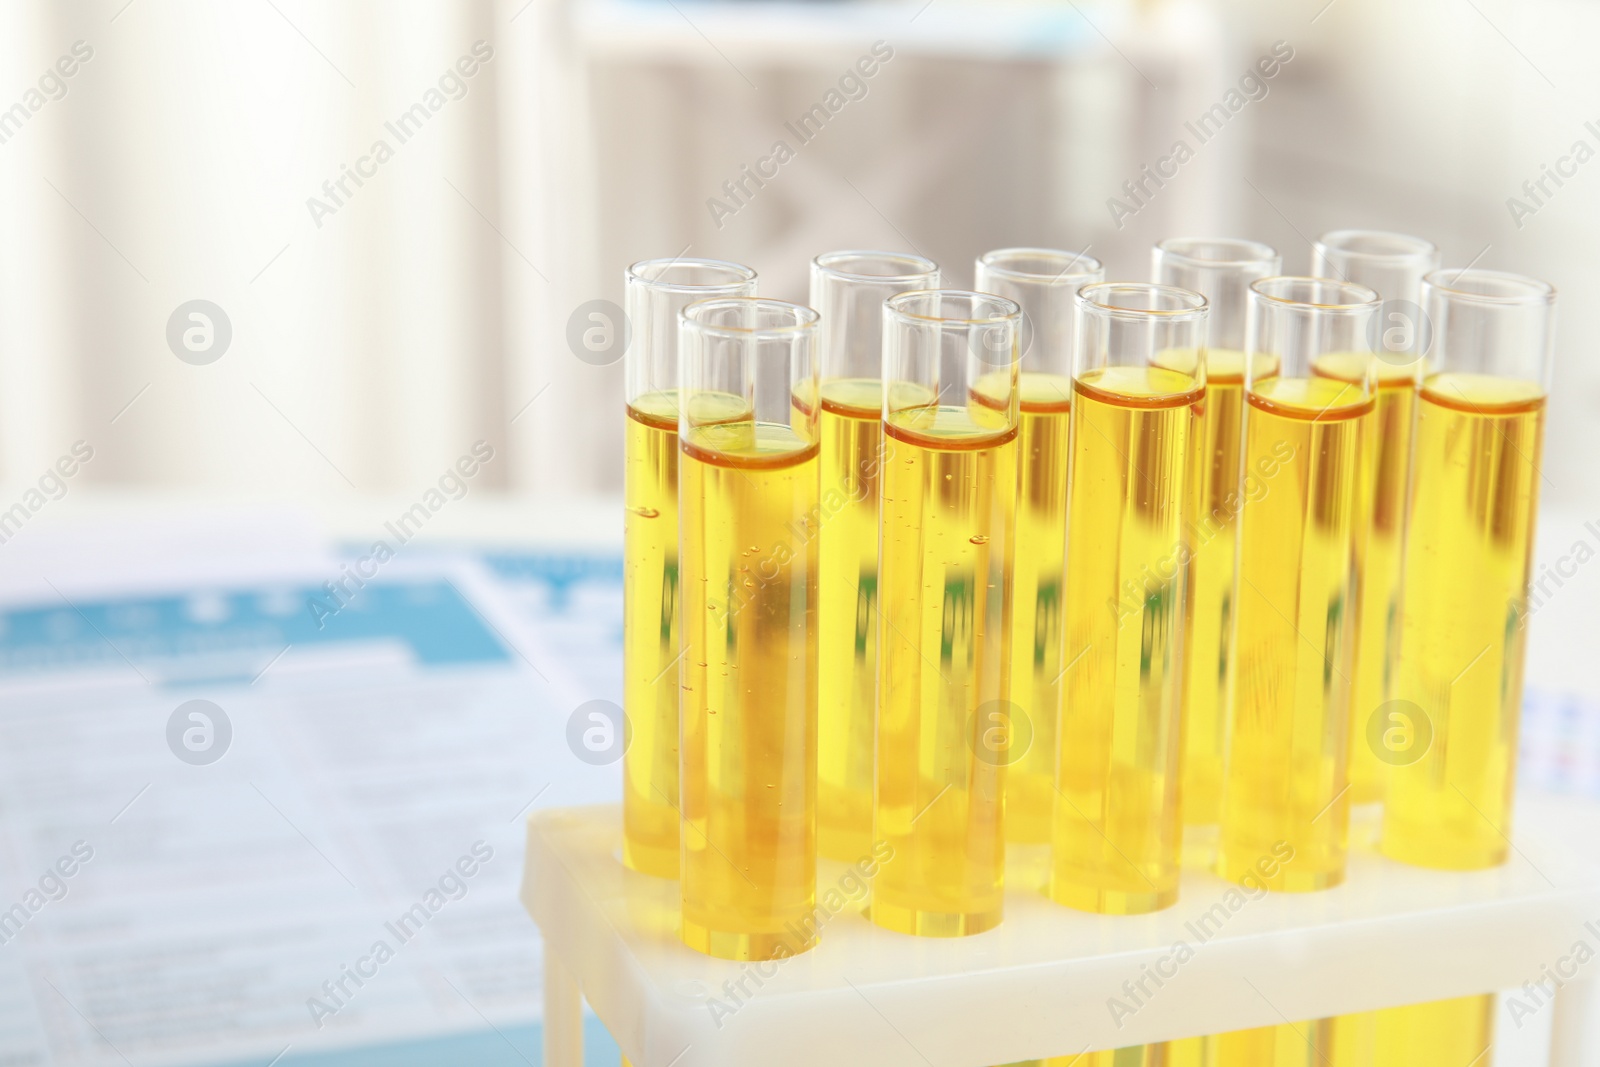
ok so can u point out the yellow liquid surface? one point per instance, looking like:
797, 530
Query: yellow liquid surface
1287, 765
1382, 496
1215, 500
1444, 1032
948, 516
1468, 551
749, 690
847, 622
1037, 577
650, 619
1117, 836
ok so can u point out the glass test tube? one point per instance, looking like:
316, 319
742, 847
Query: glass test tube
1117, 836
1465, 600
848, 290
945, 532
1042, 281
1392, 265
748, 514
1285, 805
657, 289
1220, 270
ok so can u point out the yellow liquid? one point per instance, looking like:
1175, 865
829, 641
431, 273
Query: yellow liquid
1215, 500
1038, 572
1286, 782
749, 691
1117, 835
1353, 1040
1303, 1044
850, 430
948, 515
1131, 1056
1192, 1052
650, 618
1442, 1033
1471, 516
1382, 496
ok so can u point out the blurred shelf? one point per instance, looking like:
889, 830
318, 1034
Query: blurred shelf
1041, 983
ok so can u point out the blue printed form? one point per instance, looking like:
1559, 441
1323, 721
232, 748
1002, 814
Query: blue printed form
247, 822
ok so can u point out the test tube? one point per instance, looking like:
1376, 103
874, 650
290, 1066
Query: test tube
1117, 833
656, 290
946, 526
1220, 270
1392, 265
1308, 390
848, 290
1042, 281
1465, 601
748, 515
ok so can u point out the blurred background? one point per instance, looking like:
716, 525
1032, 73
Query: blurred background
290, 261
377, 334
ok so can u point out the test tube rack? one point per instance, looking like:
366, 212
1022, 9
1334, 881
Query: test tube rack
1050, 981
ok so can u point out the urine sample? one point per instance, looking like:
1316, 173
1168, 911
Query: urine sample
1301, 1044
1305, 434
1193, 1052
1455, 1031
748, 509
1392, 265
1043, 282
946, 528
1117, 834
1474, 494
657, 289
1128, 1056
848, 290
1220, 270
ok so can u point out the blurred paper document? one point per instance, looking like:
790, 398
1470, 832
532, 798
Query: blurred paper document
243, 816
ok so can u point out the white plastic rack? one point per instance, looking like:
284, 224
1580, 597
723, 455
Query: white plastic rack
1051, 981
